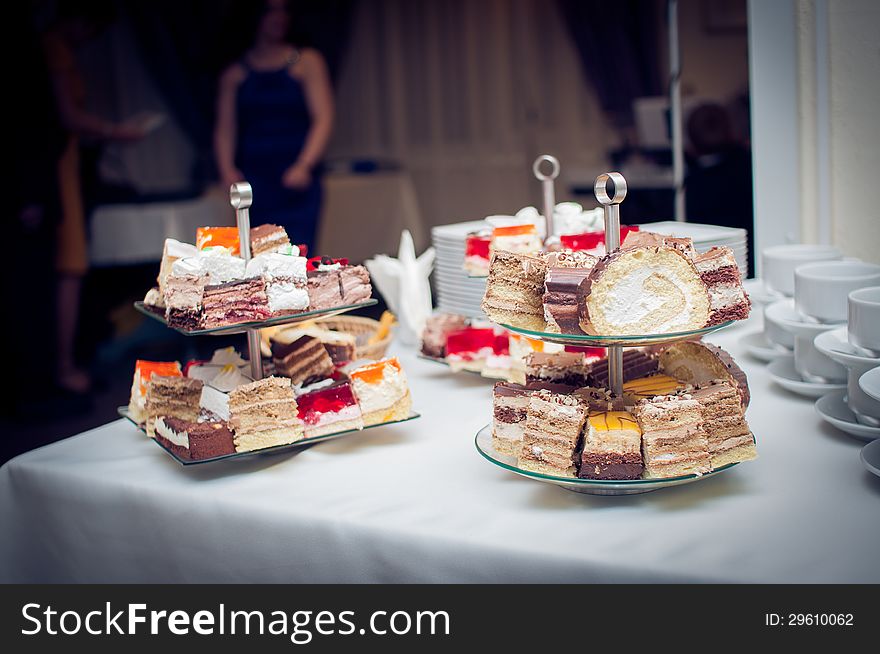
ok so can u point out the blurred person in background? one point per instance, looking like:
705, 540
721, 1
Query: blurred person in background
274, 118
719, 174
75, 24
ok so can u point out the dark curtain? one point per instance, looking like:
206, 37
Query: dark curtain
618, 47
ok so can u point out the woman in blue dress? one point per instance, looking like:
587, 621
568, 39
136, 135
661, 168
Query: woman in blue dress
274, 119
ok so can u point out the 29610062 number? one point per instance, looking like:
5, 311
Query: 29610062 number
820, 619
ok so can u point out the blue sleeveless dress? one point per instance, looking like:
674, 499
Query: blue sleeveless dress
273, 121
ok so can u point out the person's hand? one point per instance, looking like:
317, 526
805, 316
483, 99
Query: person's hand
231, 176
298, 176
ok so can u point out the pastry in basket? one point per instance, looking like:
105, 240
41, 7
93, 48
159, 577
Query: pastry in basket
285, 279
195, 440
515, 290
143, 372
697, 363
218, 237
382, 391
173, 397
329, 409
643, 290
301, 357
673, 440
263, 414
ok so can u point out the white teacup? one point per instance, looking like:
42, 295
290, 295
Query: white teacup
821, 289
775, 334
864, 319
812, 365
778, 263
866, 408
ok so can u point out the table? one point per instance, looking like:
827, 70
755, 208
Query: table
416, 503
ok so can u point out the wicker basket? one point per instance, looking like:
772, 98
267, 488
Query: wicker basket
362, 329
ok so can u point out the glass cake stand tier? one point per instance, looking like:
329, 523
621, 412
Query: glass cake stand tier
623, 341
483, 442
241, 327
305, 442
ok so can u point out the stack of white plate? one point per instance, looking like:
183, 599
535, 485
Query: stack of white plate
456, 292
707, 236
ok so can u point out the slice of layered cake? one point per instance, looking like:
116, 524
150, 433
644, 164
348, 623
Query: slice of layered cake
498, 362
143, 373
325, 291
195, 440
242, 300
698, 363
340, 346
520, 348
214, 237
263, 414
642, 239
522, 238
551, 434
510, 403
643, 291
515, 291
218, 263
382, 391
172, 397
269, 238
171, 252
565, 272
724, 423
636, 363
329, 410
303, 359
437, 328
183, 301
476, 253
567, 368
673, 440
612, 447
719, 272
285, 280
354, 284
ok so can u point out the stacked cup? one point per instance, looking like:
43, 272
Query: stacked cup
778, 265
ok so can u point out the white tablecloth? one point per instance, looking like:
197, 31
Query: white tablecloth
415, 502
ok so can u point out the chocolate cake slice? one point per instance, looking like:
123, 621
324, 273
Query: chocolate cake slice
612, 447
195, 440
303, 359
697, 363
636, 363
565, 273
566, 368
241, 300
174, 397
727, 298
354, 284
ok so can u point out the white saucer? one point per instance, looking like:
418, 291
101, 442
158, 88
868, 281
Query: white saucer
870, 383
782, 371
759, 347
871, 457
783, 314
835, 345
832, 409
759, 294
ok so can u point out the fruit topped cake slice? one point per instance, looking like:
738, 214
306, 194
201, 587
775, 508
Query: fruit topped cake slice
382, 391
468, 348
329, 410
516, 238
223, 237
437, 328
143, 372
476, 253
612, 447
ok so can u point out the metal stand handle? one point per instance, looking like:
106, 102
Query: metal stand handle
611, 204
241, 196
549, 191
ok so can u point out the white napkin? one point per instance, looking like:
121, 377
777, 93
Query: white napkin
403, 283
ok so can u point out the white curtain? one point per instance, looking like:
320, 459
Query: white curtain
465, 94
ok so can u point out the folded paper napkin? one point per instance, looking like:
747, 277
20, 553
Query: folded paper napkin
404, 284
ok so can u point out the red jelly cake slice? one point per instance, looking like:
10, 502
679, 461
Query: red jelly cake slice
329, 410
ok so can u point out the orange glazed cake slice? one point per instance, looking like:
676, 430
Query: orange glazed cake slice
382, 391
263, 414
612, 447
